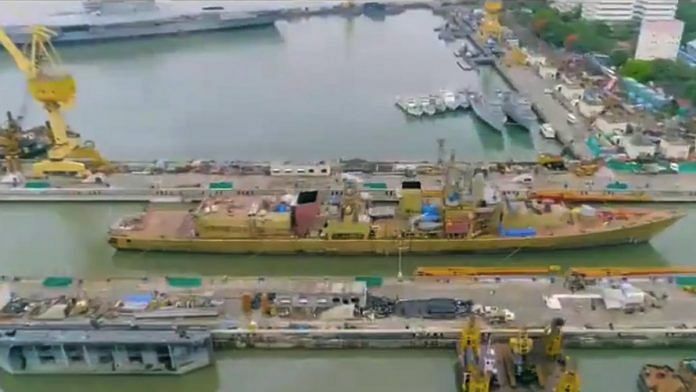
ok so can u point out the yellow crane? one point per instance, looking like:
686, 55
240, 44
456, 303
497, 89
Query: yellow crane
475, 379
569, 380
490, 26
553, 340
55, 90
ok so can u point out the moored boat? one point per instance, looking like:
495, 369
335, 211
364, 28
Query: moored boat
488, 110
418, 223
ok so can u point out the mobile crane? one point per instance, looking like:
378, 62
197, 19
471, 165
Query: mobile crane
55, 90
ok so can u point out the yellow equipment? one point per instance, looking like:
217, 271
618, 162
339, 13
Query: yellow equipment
522, 344
490, 26
10, 140
475, 379
55, 90
569, 380
553, 341
515, 56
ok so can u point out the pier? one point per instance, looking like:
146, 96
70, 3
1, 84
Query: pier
549, 109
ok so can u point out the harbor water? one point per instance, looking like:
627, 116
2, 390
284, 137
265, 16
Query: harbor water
343, 371
318, 88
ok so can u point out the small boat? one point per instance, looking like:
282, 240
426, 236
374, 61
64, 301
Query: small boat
428, 107
450, 100
439, 103
413, 108
547, 131
463, 100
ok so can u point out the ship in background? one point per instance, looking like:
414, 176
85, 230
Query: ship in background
101, 20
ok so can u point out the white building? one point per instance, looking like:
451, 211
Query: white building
608, 10
625, 10
588, 110
609, 127
659, 39
675, 148
570, 92
637, 146
655, 9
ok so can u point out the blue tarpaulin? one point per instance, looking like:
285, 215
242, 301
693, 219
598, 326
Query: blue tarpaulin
137, 301
517, 233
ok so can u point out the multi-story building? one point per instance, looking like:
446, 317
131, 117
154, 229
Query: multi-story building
659, 39
655, 9
621, 10
608, 10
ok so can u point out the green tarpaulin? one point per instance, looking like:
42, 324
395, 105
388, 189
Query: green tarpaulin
57, 281
185, 282
370, 281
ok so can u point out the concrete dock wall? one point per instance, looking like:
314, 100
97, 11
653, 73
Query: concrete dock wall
444, 338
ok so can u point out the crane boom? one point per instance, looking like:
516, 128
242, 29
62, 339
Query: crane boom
55, 89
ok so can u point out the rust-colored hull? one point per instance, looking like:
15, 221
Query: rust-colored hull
629, 234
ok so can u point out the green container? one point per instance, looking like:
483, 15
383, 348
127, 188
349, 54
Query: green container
57, 281
370, 281
188, 283
221, 185
686, 280
37, 185
375, 185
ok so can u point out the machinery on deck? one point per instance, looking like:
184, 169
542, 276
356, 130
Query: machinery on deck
55, 90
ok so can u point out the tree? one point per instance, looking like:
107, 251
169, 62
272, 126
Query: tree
618, 57
570, 41
640, 70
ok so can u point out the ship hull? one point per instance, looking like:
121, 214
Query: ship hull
620, 236
137, 30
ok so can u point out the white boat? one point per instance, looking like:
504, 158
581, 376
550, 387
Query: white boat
413, 108
450, 100
428, 107
438, 103
547, 131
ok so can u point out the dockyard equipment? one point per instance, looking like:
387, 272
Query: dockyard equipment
569, 381
10, 140
490, 25
55, 90
553, 341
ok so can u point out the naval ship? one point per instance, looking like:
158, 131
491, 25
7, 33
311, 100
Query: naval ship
118, 19
420, 221
519, 110
489, 111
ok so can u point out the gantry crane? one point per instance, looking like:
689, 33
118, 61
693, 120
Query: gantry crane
475, 378
55, 90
